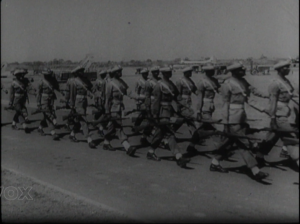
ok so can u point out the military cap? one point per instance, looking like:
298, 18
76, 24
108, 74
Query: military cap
235, 66
208, 68
145, 70
187, 69
102, 72
47, 71
78, 69
281, 64
165, 70
20, 71
116, 69
155, 69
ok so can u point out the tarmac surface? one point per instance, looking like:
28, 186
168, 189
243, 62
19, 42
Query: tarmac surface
74, 179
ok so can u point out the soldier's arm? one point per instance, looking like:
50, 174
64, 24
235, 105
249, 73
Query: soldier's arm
274, 93
155, 105
39, 94
200, 95
30, 88
179, 88
147, 93
255, 91
11, 95
108, 93
226, 94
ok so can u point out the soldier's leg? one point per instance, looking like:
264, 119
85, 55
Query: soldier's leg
43, 124
23, 117
180, 160
86, 132
245, 151
50, 117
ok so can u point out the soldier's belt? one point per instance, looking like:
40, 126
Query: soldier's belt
236, 106
282, 104
165, 103
186, 96
141, 95
45, 94
208, 100
80, 96
19, 94
152, 97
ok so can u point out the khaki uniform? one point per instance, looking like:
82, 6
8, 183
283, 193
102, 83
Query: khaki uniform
185, 87
19, 90
164, 93
76, 94
286, 115
45, 98
99, 89
235, 94
140, 90
115, 90
207, 89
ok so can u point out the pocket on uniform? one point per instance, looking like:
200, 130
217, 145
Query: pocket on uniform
283, 111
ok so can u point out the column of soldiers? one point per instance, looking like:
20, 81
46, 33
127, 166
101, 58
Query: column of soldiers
158, 121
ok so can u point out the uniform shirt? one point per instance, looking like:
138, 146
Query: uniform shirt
19, 90
281, 92
164, 93
140, 89
77, 90
185, 87
235, 93
46, 91
115, 90
207, 88
99, 88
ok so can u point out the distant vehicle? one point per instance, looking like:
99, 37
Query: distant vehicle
261, 69
211, 60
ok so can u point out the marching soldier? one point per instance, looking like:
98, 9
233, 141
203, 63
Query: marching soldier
164, 93
283, 115
235, 92
142, 104
115, 91
207, 88
186, 87
99, 90
45, 101
19, 90
76, 97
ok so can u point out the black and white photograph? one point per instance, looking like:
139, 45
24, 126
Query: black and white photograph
152, 111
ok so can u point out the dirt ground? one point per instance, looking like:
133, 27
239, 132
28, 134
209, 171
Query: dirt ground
49, 205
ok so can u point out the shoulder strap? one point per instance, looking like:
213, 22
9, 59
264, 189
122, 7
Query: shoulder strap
187, 85
117, 87
47, 84
209, 83
167, 87
285, 86
18, 84
238, 85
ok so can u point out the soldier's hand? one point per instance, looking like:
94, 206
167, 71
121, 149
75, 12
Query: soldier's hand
199, 117
273, 124
226, 128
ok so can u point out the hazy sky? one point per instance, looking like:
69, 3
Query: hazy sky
148, 29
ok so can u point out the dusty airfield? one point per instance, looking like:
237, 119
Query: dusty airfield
71, 182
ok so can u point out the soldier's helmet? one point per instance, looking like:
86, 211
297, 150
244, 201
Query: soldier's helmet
282, 64
187, 69
78, 69
102, 72
154, 69
20, 71
47, 71
144, 71
235, 66
208, 68
116, 69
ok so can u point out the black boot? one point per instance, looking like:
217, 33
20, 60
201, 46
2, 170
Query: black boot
152, 156
217, 168
182, 162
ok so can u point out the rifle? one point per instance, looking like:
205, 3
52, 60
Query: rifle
37, 111
290, 141
9, 108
